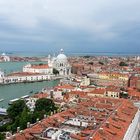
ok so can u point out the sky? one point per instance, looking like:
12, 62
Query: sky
74, 25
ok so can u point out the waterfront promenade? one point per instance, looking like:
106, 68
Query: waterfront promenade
12, 91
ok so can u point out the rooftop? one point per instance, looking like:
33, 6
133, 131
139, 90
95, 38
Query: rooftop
93, 118
42, 66
23, 74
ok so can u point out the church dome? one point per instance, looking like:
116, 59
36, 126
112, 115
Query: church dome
3, 54
61, 56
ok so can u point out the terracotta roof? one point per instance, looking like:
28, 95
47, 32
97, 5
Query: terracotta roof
112, 116
23, 74
40, 95
113, 89
43, 66
115, 127
65, 87
98, 91
133, 92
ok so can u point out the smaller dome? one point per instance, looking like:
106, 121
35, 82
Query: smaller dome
3, 54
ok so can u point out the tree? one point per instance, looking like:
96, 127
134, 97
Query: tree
44, 104
86, 56
123, 95
2, 136
14, 125
20, 114
55, 71
25, 117
123, 64
16, 109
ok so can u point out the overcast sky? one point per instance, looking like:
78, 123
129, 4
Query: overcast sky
74, 25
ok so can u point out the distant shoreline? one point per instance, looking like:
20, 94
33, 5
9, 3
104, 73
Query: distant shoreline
45, 54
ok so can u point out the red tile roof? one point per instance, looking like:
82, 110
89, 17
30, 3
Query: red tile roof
23, 74
113, 121
43, 66
40, 95
98, 91
65, 87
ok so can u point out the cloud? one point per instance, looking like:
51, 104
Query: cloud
53, 20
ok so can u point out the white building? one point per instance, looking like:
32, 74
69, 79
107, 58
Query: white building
20, 77
60, 63
1, 77
40, 68
85, 81
29, 77
5, 57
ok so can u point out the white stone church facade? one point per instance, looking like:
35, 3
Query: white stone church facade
60, 63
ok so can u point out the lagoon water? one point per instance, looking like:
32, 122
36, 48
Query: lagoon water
9, 67
12, 91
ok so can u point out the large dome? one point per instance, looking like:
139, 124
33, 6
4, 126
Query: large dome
61, 57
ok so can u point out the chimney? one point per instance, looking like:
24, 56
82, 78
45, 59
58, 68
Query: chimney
28, 124
51, 113
101, 130
114, 118
91, 138
59, 110
18, 129
80, 123
94, 125
37, 120
51, 94
107, 124
45, 116
21, 131
54, 111
115, 112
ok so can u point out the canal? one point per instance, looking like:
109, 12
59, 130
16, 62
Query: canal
12, 91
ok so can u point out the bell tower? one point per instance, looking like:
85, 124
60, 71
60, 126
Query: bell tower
49, 61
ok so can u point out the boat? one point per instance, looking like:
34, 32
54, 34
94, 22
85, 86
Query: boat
24, 97
1, 100
13, 100
3, 111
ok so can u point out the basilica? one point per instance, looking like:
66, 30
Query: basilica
60, 63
